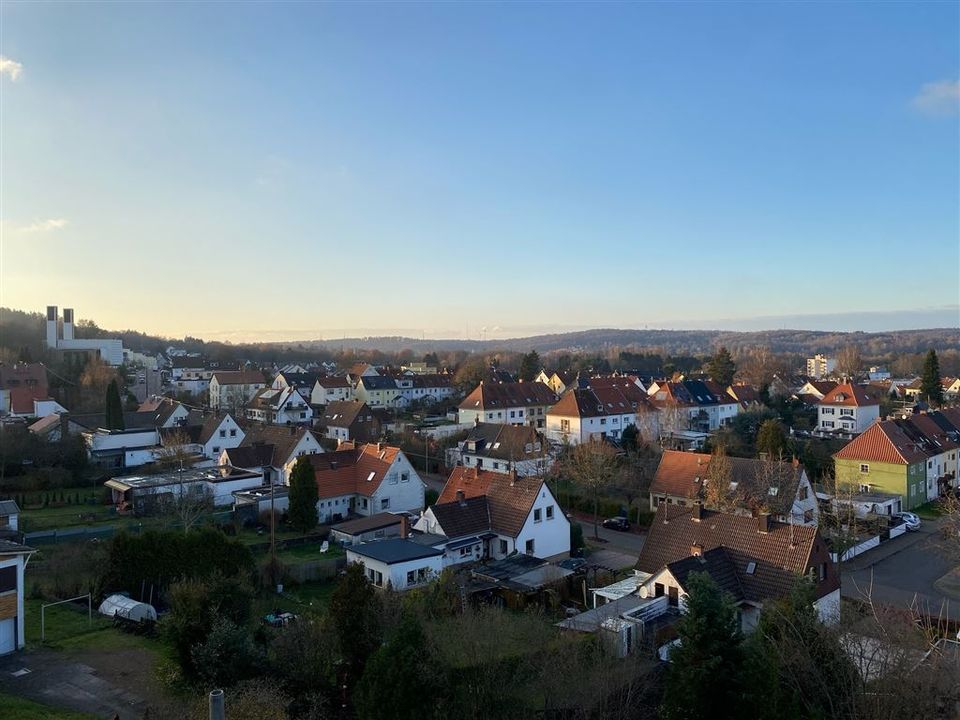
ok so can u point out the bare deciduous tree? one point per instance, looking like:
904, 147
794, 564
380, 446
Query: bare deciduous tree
594, 466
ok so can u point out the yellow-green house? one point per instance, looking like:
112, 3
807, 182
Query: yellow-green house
884, 459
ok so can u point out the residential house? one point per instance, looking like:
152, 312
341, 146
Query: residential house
367, 529
592, 413
350, 420
331, 388
951, 388
192, 373
397, 563
379, 391
781, 489
13, 563
425, 389
914, 458
821, 366
754, 559
491, 515
285, 406
21, 385
847, 410
9, 517
271, 450
365, 480
147, 494
359, 370
695, 405
559, 382
231, 390
53, 428
503, 448
511, 403
747, 396
303, 382
167, 413
206, 439
418, 368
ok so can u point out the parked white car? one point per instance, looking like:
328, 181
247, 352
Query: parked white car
909, 519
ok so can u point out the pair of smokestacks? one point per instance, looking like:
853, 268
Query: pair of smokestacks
53, 334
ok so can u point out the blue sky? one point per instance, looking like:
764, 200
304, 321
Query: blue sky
290, 171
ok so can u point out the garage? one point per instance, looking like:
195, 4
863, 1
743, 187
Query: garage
8, 635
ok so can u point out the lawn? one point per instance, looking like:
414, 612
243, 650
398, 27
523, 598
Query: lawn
49, 518
68, 627
20, 708
311, 598
309, 553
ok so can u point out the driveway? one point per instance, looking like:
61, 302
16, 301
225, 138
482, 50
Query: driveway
904, 572
55, 680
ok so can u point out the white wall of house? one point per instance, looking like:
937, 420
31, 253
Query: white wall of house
329, 507
535, 416
523, 468
105, 441
851, 419
323, 396
11, 628
805, 510
226, 437
401, 489
828, 608
307, 445
550, 534
397, 574
230, 397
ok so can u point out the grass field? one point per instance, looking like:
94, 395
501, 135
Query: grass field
929, 511
20, 708
309, 552
68, 627
309, 598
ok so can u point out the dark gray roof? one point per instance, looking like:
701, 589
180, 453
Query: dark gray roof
378, 382
8, 507
394, 550
366, 524
12, 548
718, 564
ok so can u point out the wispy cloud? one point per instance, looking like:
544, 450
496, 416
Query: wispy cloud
41, 226
938, 98
10, 68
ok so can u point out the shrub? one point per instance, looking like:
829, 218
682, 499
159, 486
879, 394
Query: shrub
226, 656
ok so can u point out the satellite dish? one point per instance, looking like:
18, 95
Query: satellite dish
644, 593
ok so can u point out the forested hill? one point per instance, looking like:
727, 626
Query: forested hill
20, 330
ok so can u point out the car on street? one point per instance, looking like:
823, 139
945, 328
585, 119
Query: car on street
909, 519
617, 523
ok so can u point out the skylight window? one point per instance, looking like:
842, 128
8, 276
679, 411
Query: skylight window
773, 491
370, 476
751, 568
496, 445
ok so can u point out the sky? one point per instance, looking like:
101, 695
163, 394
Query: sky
291, 171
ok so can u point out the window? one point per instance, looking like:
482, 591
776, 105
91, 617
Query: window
513, 414
529, 548
392, 478
503, 547
233, 433
223, 433
751, 568
411, 577
496, 466
8, 579
384, 503
537, 515
808, 516
216, 448
823, 571
564, 426
864, 488
803, 492
864, 468
603, 421
364, 503
549, 512
404, 477
658, 589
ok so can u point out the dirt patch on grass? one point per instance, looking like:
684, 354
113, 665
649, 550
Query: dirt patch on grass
132, 669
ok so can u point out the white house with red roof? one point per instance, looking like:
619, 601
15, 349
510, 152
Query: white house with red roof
488, 515
588, 414
511, 403
847, 410
365, 480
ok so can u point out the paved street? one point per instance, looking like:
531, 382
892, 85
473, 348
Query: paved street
55, 680
902, 572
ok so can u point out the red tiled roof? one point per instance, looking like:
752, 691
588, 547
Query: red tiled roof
488, 396
509, 498
353, 470
851, 395
781, 554
685, 474
882, 442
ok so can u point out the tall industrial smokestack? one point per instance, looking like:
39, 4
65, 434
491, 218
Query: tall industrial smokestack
68, 323
52, 326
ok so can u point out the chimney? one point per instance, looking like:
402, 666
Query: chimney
763, 523
404, 526
513, 477
68, 323
52, 326
697, 511
461, 498
696, 550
